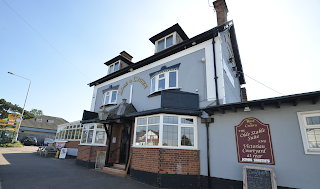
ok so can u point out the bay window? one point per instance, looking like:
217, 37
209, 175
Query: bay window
166, 80
166, 131
310, 131
110, 97
69, 131
93, 134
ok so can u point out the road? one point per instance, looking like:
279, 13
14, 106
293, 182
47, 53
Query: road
22, 168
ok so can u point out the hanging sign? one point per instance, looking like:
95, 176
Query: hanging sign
254, 142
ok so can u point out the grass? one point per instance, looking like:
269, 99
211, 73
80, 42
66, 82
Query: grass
12, 144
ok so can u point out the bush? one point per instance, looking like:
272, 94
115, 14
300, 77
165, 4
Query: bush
12, 144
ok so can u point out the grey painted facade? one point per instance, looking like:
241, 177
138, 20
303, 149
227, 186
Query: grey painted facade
293, 167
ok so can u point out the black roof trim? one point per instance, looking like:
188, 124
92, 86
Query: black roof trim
118, 58
277, 101
167, 52
166, 111
166, 32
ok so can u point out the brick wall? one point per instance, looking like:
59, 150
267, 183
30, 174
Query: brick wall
72, 144
166, 161
89, 153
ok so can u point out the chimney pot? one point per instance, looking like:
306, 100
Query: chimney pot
222, 10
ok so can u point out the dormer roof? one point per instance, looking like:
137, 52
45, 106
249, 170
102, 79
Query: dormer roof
117, 58
174, 28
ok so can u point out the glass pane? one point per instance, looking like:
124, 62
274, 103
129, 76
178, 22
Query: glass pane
154, 120
84, 137
160, 45
169, 41
73, 134
57, 135
170, 119
313, 138
142, 121
100, 126
111, 69
67, 127
172, 79
161, 84
86, 126
90, 137
67, 134
153, 135
100, 137
77, 134
63, 134
78, 126
114, 96
313, 120
187, 136
170, 135
116, 67
141, 135
153, 84
186, 120
106, 101
91, 126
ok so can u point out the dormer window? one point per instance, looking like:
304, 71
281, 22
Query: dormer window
114, 67
165, 43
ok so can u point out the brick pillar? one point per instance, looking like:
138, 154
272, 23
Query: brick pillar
222, 10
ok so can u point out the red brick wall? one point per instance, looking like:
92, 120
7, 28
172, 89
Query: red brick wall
72, 144
166, 161
89, 153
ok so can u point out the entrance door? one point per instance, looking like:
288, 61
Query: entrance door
124, 146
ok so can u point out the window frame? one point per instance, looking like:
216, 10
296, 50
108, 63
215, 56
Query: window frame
303, 128
73, 128
165, 41
112, 66
167, 81
110, 98
95, 130
161, 123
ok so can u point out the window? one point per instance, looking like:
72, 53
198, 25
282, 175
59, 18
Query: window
113, 67
166, 131
110, 97
69, 132
38, 119
310, 131
50, 121
93, 134
164, 80
165, 43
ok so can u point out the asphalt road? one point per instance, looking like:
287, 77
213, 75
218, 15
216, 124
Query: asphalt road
22, 168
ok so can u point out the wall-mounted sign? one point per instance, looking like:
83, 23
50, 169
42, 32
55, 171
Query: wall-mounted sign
135, 79
254, 142
255, 177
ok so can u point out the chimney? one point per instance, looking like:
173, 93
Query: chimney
222, 10
126, 55
244, 94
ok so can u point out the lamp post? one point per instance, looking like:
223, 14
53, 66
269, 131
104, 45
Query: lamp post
23, 105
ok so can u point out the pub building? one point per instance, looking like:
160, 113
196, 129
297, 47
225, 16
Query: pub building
180, 119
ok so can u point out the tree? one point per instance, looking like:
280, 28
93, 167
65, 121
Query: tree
7, 108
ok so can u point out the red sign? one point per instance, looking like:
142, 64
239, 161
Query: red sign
254, 142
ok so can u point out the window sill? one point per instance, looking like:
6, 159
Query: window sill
168, 147
107, 105
157, 93
91, 144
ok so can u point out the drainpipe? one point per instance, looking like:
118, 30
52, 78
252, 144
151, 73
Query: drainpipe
215, 67
207, 121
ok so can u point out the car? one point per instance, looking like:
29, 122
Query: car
29, 141
47, 141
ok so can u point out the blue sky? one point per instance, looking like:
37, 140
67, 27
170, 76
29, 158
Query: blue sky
278, 43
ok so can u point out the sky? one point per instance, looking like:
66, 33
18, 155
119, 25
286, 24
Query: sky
61, 46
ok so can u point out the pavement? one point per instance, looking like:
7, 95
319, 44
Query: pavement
22, 168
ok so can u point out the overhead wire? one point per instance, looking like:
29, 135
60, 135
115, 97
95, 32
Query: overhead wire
46, 40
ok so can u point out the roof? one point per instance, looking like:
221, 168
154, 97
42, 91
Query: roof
313, 97
168, 31
180, 47
32, 123
118, 58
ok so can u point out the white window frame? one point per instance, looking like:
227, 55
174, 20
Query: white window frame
112, 66
110, 98
165, 42
194, 126
303, 128
95, 129
166, 77
63, 132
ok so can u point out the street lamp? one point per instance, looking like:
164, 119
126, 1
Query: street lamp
23, 105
